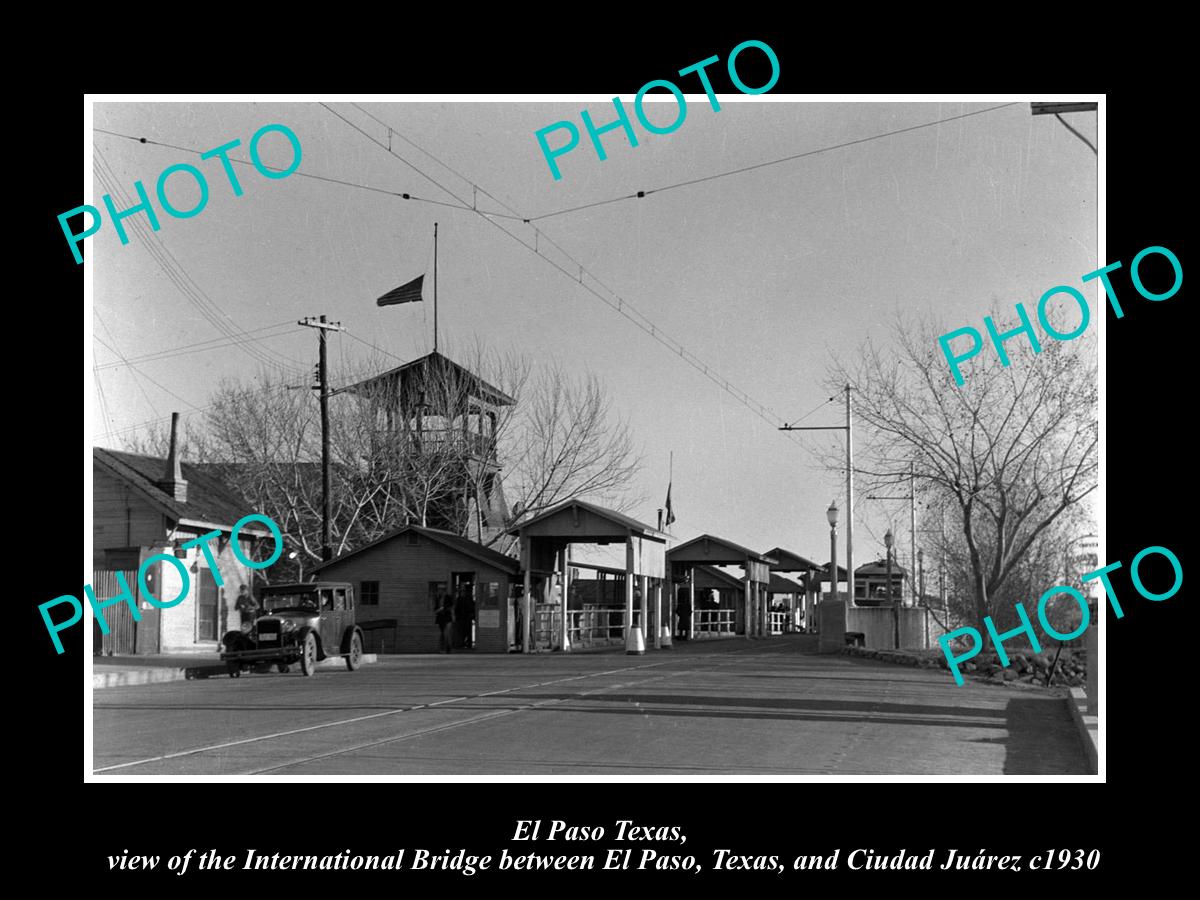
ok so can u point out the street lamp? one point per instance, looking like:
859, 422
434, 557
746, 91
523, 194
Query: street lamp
887, 542
832, 515
921, 576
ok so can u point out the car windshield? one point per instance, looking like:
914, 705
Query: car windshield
307, 599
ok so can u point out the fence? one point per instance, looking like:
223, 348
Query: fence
122, 629
596, 627
779, 622
713, 623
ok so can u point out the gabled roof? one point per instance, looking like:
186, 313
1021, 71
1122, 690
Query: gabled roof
789, 561
879, 567
781, 585
720, 550
416, 369
617, 519
209, 500
731, 580
447, 539
823, 573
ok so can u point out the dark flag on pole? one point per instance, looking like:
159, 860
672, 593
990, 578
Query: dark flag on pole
670, 512
406, 293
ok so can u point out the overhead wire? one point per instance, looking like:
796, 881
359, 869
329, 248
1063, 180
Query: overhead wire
199, 347
104, 343
774, 162
133, 370
404, 195
179, 277
621, 306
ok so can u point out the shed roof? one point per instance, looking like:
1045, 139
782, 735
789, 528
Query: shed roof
789, 561
710, 550
717, 575
781, 585
209, 501
879, 567
565, 521
447, 539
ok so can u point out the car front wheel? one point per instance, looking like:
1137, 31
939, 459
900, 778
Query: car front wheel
354, 657
308, 654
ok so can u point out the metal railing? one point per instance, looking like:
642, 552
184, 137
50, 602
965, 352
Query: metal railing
711, 623
585, 627
779, 622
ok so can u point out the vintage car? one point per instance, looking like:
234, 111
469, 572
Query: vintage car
302, 623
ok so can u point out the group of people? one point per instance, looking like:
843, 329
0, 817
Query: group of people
455, 619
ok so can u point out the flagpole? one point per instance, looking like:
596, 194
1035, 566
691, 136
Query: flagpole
435, 287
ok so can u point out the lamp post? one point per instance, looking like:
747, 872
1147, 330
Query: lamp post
887, 542
921, 576
831, 515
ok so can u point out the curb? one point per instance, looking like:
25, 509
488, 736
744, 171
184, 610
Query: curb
128, 677
1086, 724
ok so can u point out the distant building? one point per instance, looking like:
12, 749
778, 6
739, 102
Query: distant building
871, 583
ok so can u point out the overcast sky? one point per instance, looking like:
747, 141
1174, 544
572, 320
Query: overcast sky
762, 275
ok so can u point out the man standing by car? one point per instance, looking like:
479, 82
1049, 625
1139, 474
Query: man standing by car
246, 606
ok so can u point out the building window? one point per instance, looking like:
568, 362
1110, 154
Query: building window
437, 594
368, 594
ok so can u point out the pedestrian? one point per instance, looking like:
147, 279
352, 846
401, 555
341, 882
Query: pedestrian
683, 609
464, 615
445, 623
246, 606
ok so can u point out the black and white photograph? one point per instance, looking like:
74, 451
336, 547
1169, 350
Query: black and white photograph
687, 435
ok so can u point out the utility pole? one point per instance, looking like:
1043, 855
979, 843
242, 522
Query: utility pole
849, 429
912, 501
322, 327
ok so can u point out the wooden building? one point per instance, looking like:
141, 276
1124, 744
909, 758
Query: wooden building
441, 421
400, 581
750, 614
144, 506
871, 584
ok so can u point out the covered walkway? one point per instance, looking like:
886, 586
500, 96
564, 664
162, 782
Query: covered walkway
750, 614
546, 620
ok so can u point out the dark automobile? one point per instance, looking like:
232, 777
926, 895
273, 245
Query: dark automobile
302, 623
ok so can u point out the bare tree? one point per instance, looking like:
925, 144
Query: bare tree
1012, 451
435, 456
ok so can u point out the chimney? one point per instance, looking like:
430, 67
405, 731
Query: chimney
660, 512
172, 481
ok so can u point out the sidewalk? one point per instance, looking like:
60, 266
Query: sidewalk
118, 671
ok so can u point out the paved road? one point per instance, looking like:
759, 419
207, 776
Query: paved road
770, 708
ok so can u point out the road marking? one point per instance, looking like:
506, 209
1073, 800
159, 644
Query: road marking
379, 715
507, 712
433, 729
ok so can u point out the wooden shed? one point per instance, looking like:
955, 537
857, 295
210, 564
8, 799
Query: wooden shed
401, 579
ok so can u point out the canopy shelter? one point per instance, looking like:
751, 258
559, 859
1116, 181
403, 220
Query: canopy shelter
546, 540
809, 573
709, 550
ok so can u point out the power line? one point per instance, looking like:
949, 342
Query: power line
245, 162
621, 306
774, 162
810, 412
148, 378
173, 269
134, 372
200, 347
